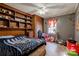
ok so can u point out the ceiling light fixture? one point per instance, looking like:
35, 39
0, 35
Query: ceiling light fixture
42, 11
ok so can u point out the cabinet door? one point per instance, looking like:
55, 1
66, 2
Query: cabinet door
38, 25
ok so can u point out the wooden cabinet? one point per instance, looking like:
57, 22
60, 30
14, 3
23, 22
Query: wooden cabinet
37, 24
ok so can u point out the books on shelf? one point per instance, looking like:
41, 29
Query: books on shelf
3, 24
20, 15
29, 26
13, 25
17, 19
6, 11
28, 21
28, 18
22, 25
20, 20
5, 17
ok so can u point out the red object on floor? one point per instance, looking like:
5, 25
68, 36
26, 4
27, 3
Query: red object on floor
71, 45
77, 48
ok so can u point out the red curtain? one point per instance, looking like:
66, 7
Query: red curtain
52, 21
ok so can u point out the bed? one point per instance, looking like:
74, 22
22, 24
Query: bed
21, 46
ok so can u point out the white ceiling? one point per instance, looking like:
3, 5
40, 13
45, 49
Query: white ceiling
52, 9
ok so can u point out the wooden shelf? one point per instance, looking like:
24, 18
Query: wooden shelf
20, 17
29, 23
23, 22
7, 14
28, 29
12, 28
12, 21
18, 21
18, 28
4, 19
29, 19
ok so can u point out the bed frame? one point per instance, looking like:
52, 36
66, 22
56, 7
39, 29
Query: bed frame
40, 51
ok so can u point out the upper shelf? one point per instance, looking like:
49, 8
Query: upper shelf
6, 14
12, 28
20, 17
11, 20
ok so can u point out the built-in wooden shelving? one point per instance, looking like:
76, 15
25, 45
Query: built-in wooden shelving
13, 19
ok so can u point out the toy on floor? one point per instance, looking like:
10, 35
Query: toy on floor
72, 48
72, 53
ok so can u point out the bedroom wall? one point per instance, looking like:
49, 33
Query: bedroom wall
65, 26
77, 19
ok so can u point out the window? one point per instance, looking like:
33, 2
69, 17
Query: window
52, 26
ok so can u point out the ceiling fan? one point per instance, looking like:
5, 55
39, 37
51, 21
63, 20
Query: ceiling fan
40, 6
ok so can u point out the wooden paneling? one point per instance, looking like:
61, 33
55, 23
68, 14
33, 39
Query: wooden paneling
37, 24
42, 25
11, 32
